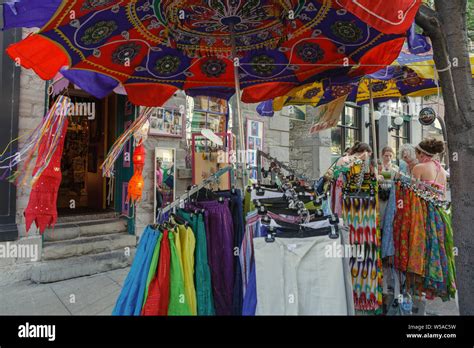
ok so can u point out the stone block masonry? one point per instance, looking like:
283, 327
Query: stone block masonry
276, 130
309, 154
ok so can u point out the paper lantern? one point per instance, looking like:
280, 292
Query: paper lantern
139, 156
136, 183
135, 187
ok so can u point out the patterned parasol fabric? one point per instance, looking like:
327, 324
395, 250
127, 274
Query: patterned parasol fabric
153, 48
410, 75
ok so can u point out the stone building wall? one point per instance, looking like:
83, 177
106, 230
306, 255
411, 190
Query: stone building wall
276, 132
309, 154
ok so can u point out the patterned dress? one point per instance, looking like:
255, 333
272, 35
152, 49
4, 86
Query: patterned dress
360, 214
417, 238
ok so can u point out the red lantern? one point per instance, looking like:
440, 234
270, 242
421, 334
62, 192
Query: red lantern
139, 157
136, 183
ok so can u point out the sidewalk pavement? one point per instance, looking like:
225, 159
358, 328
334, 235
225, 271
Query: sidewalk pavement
97, 294
92, 295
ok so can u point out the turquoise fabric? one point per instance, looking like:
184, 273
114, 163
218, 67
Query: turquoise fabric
132, 295
404, 167
204, 297
143, 275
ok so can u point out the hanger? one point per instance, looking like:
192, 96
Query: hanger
270, 238
288, 230
266, 220
179, 220
262, 210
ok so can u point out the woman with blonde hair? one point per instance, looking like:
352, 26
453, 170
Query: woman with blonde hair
407, 157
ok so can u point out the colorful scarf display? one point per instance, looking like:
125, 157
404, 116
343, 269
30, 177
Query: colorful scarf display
424, 247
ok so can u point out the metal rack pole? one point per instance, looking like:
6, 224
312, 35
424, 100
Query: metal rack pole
194, 190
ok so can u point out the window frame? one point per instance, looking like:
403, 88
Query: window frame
343, 127
207, 112
397, 133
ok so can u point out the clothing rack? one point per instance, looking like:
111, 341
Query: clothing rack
265, 155
289, 191
417, 182
427, 193
303, 213
186, 196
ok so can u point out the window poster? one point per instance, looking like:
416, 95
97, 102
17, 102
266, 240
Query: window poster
166, 122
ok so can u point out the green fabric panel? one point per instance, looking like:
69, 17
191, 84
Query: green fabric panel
449, 246
177, 304
153, 267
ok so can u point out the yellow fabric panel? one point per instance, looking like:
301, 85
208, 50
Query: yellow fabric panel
279, 103
390, 90
425, 69
188, 246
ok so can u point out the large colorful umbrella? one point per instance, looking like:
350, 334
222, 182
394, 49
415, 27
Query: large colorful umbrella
410, 75
153, 48
212, 47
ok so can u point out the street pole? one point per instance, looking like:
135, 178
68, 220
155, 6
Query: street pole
372, 121
239, 107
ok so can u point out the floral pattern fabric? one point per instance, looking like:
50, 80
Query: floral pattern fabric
424, 246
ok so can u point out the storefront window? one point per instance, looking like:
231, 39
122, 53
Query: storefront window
208, 113
204, 113
347, 132
399, 135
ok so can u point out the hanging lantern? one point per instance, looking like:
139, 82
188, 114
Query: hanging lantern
136, 183
139, 157
135, 187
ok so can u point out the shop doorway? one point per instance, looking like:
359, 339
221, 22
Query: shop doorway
83, 190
